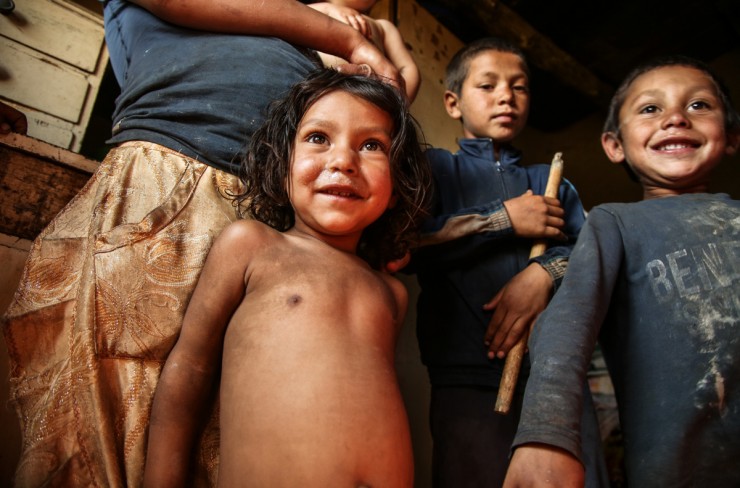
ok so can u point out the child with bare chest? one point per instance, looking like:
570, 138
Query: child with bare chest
291, 308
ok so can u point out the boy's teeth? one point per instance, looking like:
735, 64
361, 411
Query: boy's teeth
671, 147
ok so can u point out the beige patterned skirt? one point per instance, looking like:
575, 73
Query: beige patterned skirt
99, 307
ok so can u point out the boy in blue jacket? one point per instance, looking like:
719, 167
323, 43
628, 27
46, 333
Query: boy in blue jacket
479, 289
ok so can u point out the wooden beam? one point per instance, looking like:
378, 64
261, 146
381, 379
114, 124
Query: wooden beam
501, 21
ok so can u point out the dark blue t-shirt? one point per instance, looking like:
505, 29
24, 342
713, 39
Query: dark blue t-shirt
199, 93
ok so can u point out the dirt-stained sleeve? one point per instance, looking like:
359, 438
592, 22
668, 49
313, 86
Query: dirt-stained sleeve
565, 335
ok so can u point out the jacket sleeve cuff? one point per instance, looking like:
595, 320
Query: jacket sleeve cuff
555, 267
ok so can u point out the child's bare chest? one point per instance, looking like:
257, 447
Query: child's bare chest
311, 293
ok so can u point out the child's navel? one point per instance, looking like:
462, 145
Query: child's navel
294, 300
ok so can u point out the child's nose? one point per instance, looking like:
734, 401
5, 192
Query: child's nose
675, 118
343, 159
505, 95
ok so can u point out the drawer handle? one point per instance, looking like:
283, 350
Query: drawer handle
6, 6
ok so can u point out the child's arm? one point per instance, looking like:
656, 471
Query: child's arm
447, 238
188, 377
542, 465
401, 295
561, 346
395, 50
344, 14
392, 42
535, 216
516, 306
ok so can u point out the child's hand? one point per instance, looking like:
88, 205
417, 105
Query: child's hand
535, 465
536, 216
347, 15
392, 267
516, 307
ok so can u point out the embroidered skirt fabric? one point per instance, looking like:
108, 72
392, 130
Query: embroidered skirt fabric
100, 306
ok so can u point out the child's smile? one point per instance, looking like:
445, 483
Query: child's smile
340, 177
672, 131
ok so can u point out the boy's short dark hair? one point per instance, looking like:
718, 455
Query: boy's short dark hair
457, 68
732, 119
266, 167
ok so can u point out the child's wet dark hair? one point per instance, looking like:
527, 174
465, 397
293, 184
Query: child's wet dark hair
732, 119
457, 68
266, 167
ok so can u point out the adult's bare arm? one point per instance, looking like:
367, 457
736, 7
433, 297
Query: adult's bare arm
289, 20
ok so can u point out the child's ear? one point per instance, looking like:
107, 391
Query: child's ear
452, 105
612, 147
733, 142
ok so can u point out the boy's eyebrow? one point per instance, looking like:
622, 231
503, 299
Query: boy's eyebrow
645, 93
494, 74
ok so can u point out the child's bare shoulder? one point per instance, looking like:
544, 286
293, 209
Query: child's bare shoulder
244, 235
247, 229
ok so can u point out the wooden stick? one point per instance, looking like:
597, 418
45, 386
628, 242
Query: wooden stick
514, 358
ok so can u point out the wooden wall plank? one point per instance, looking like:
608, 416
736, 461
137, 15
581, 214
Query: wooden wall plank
432, 46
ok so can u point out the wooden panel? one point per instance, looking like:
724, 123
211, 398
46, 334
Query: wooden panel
56, 29
432, 46
382, 10
38, 82
36, 182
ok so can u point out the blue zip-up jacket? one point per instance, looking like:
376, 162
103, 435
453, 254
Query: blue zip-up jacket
469, 252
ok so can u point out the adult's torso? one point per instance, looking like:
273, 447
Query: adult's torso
199, 93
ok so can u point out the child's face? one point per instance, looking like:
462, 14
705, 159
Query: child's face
340, 176
494, 98
672, 131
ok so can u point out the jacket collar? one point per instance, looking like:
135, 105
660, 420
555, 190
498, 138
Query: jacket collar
482, 148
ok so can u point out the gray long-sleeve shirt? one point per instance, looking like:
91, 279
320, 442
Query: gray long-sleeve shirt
658, 283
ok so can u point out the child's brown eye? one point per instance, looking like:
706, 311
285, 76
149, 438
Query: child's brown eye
699, 105
316, 139
373, 146
650, 109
